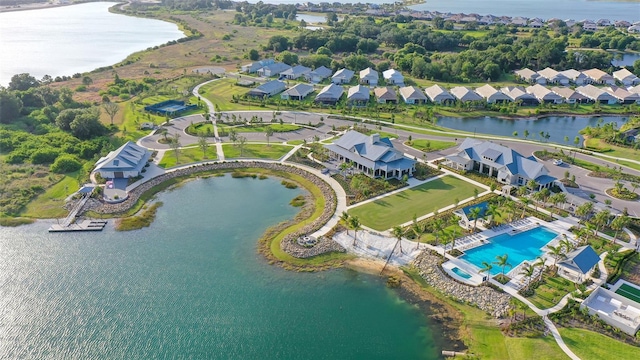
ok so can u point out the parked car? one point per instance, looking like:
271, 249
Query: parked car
557, 162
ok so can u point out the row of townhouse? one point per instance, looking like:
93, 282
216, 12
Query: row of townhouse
572, 76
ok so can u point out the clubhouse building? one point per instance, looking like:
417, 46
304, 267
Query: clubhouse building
372, 155
506, 165
125, 162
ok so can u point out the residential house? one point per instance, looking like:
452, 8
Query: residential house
296, 72
464, 94
634, 29
569, 95
318, 74
596, 95
274, 69
626, 77
575, 76
438, 95
393, 77
519, 95
372, 155
330, 94
622, 23
553, 77
385, 95
597, 76
530, 76
342, 76
634, 89
412, 95
297, 92
536, 24
519, 21
358, 95
614, 309
125, 162
544, 95
578, 263
492, 95
506, 165
603, 22
589, 26
268, 89
623, 95
369, 76
255, 66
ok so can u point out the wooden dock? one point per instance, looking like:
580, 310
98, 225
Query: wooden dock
86, 225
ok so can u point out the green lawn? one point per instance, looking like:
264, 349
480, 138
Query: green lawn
260, 151
434, 145
551, 292
221, 92
589, 345
613, 150
49, 204
260, 128
186, 156
399, 208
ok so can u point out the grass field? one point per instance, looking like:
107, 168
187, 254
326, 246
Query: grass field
551, 292
434, 145
589, 345
220, 93
613, 150
256, 151
399, 208
49, 204
186, 156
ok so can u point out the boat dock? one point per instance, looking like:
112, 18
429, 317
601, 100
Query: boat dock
86, 225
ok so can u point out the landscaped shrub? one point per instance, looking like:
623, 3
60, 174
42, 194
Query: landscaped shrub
65, 164
44, 156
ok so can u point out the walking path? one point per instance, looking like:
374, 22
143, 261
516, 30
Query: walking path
212, 117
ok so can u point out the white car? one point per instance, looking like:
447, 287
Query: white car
557, 162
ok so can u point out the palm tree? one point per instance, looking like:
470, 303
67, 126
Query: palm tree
566, 244
354, 223
486, 267
510, 206
397, 233
522, 191
601, 218
540, 262
528, 270
503, 261
343, 168
474, 213
525, 205
492, 212
618, 224
584, 210
345, 219
268, 133
438, 225
532, 185
447, 238
417, 230
557, 253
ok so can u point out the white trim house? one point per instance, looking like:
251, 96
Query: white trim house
125, 162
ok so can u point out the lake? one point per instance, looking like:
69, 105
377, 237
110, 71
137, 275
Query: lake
74, 39
193, 286
561, 125
624, 59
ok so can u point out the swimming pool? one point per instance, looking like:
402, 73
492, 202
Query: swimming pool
526, 245
461, 273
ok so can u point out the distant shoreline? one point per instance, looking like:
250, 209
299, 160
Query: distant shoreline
47, 5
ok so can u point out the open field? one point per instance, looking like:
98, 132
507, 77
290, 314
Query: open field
186, 156
256, 151
49, 205
221, 92
589, 345
433, 145
399, 208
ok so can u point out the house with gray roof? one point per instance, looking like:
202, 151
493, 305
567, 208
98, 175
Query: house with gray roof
596, 95
342, 76
439, 95
412, 95
296, 72
274, 69
634, 89
519, 95
464, 94
569, 95
268, 89
623, 95
318, 74
506, 165
255, 66
297, 92
369, 76
492, 95
544, 95
530, 76
330, 94
385, 95
358, 95
553, 77
393, 77
578, 263
575, 76
626, 77
125, 162
372, 155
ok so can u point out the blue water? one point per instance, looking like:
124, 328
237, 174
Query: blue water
461, 273
523, 246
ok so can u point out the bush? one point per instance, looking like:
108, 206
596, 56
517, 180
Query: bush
44, 156
14, 159
66, 164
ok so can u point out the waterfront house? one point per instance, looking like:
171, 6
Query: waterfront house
296, 72
575, 76
553, 77
438, 95
603, 22
623, 95
318, 74
255, 66
393, 77
519, 95
268, 89
413, 95
614, 309
492, 95
342, 76
125, 162
634, 89
506, 165
530, 76
589, 26
634, 29
385, 95
578, 263
464, 94
372, 155
369, 76
330, 94
358, 95
622, 23
274, 69
626, 77
597, 76
543, 94
297, 92
569, 95
596, 95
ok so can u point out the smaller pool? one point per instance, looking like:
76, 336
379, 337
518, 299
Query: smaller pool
461, 273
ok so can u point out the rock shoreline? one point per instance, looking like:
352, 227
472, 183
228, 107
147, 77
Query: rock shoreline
484, 297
